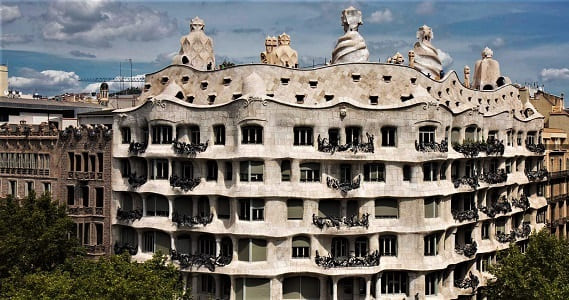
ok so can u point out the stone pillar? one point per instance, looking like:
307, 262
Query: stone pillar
170, 208
194, 278
139, 236
232, 289
368, 288
174, 132
276, 288
172, 242
185, 280
334, 288
378, 286
235, 256
217, 246
143, 197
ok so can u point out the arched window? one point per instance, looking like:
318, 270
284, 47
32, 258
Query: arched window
427, 134
362, 246
203, 207
157, 206
206, 244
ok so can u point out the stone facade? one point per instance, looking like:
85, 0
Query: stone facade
350, 181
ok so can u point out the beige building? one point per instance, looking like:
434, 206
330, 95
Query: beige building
350, 181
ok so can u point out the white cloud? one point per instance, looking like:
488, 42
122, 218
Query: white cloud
99, 23
445, 58
425, 8
10, 38
51, 80
380, 16
116, 84
165, 58
554, 74
498, 42
9, 13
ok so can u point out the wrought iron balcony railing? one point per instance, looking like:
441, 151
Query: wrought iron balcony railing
95, 249
536, 148
467, 250
522, 203
558, 174
136, 181
369, 260
344, 187
494, 177
80, 210
540, 174
522, 232
137, 148
471, 281
129, 215
120, 248
186, 184
472, 149
190, 221
325, 146
432, 146
471, 181
471, 214
199, 260
352, 221
557, 198
500, 206
189, 148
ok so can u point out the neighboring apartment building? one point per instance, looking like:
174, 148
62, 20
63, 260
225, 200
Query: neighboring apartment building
349, 181
556, 158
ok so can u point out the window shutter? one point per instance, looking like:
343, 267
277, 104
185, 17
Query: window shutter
295, 208
386, 208
258, 250
243, 250
301, 241
257, 288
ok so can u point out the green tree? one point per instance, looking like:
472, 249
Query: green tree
34, 235
542, 272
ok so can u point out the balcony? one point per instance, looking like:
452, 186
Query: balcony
496, 207
432, 146
467, 250
471, 281
353, 221
129, 215
328, 262
494, 177
522, 232
23, 171
80, 211
471, 181
120, 248
539, 148
199, 260
325, 146
191, 221
522, 203
137, 148
473, 149
465, 215
540, 174
189, 148
95, 249
343, 187
85, 176
559, 174
557, 198
136, 181
186, 184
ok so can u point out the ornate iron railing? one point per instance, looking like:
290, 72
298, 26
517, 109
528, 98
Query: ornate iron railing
522, 232
137, 148
494, 177
471, 214
129, 215
80, 210
466, 180
467, 250
558, 174
95, 249
536, 148
557, 198
522, 203
189, 148
190, 221
432, 146
369, 260
552, 224
540, 174
352, 221
496, 207
471, 281
120, 248
325, 146
199, 260
472, 149
344, 187
186, 184
136, 181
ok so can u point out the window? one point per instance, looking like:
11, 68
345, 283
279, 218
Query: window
208, 284
70, 194
252, 135
219, 135
252, 250
426, 134
29, 188
252, 288
194, 134
99, 197
187, 170
470, 134
431, 244
500, 226
430, 172
310, 172
374, 172
510, 138
345, 173
85, 195
300, 247
432, 283
251, 170
329, 208
531, 138
161, 134
206, 244
484, 261
101, 162
443, 171
388, 245
125, 168
540, 216
508, 166
353, 135
388, 136
285, 170
157, 206
303, 136
301, 287
228, 170
154, 241
361, 247
432, 207
251, 209
540, 189
455, 135
386, 208
47, 187
406, 173
394, 283
519, 138
223, 208
159, 169
339, 247
485, 230
99, 231
125, 135
492, 135
211, 170
203, 207
295, 209
334, 136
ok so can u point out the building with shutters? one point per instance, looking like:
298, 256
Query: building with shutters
347, 181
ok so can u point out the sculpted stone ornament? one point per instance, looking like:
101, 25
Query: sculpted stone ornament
467, 76
487, 72
351, 47
267, 56
196, 48
284, 55
396, 59
427, 58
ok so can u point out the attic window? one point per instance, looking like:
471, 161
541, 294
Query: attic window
203, 84
429, 89
270, 94
496, 100
460, 92
190, 99
147, 87
487, 108
387, 78
300, 98
185, 79
329, 97
180, 95
479, 100
236, 96
470, 99
313, 83
457, 104
511, 94
413, 80
285, 80
164, 79
440, 93
447, 103
504, 97
211, 98
454, 82
226, 80
356, 77
373, 100
406, 97
448, 90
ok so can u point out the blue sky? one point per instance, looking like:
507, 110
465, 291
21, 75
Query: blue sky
49, 46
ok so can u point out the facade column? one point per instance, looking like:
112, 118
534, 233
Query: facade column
378, 286
185, 281
170, 208
235, 255
217, 247
276, 289
232, 289
143, 197
139, 236
172, 241
334, 288
194, 284
368, 288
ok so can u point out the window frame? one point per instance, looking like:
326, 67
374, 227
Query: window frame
378, 169
303, 136
251, 134
389, 136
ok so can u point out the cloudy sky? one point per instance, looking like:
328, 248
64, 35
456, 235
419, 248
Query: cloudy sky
50, 46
